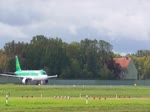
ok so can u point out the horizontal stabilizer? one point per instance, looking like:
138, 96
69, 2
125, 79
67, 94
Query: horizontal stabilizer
10, 73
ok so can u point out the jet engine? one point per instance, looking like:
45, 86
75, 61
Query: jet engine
24, 81
46, 81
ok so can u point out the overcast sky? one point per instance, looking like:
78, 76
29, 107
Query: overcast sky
123, 23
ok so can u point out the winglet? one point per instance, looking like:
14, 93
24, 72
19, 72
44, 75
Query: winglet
17, 64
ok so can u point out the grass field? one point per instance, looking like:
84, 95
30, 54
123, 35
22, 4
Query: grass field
55, 98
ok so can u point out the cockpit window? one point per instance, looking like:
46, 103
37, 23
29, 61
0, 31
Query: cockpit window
43, 72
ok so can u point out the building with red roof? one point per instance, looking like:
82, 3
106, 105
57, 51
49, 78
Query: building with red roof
128, 69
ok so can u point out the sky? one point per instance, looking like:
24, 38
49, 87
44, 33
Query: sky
123, 23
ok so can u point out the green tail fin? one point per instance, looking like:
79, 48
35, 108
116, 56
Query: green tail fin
17, 64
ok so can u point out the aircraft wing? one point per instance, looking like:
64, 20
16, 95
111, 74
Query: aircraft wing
52, 76
15, 76
8, 75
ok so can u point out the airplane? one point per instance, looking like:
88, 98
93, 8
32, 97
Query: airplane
28, 76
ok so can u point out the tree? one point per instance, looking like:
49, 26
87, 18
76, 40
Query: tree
115, 68
73, 56
3, 61
55, 57
88, 58
12, 49
35, 52
94, 54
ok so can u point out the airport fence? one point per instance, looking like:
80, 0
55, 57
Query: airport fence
6, 80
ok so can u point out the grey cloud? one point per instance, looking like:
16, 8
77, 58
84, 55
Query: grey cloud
112, 20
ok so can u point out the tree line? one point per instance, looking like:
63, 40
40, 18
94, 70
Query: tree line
87, 59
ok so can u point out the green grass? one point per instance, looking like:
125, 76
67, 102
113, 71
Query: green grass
133, 99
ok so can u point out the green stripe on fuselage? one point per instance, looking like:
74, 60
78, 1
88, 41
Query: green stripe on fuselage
30, 72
